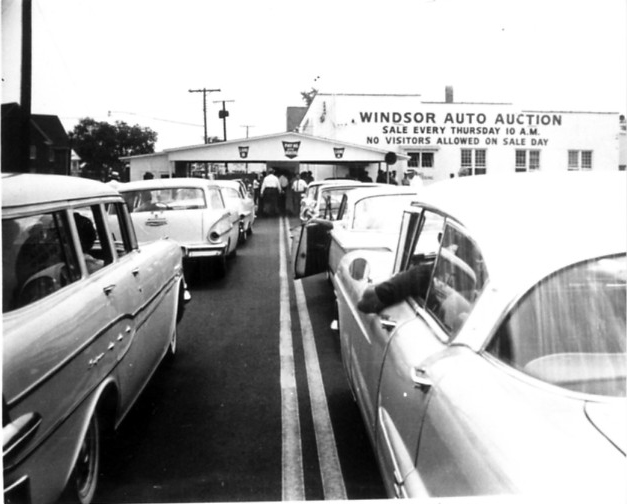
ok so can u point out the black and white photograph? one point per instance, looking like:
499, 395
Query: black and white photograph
276, 250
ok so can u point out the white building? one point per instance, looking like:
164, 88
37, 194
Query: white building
447, 139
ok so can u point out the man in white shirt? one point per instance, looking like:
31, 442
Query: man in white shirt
299, 186
270, 189
415, 180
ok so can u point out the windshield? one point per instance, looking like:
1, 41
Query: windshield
380, 213
569, 330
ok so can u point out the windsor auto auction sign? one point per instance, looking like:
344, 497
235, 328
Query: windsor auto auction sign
424, 129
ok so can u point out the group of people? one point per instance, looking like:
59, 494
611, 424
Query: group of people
411, 177
279, 194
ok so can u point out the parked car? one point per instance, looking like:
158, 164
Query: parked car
87, 317
323, 197
367, 217
236, 194
192, 211
503, 370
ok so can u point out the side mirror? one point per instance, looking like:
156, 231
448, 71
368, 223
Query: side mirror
359, 269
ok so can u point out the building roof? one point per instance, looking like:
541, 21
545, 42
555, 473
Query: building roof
51, 127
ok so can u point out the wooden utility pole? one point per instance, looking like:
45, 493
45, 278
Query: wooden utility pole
204, 92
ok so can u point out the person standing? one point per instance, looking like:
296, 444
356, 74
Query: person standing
299, 186
256, 186
415, 180
270, 189
284, 182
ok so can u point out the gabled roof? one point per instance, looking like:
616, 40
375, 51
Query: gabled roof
51, 127
277, 147
48, 125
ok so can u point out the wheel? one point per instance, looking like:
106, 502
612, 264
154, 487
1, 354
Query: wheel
81, 487
250, 229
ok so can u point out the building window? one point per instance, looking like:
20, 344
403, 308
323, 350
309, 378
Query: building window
33, 152
527, 160
473, 162
579, 160
420, 159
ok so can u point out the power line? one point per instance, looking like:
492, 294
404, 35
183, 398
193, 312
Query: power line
204, 92
150, 117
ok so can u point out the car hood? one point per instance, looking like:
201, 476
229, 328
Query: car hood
610, 419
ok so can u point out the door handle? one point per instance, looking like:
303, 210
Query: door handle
108, 289
135, 271
387, 323
420, 379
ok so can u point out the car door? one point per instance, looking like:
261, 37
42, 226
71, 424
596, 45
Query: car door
369, 345
457, 279
310, 252
138, 294
58, 328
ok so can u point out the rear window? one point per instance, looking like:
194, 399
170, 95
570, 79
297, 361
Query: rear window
569, 330
380, 213
157, 200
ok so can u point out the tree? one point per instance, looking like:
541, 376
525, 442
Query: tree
101, 145
308, 96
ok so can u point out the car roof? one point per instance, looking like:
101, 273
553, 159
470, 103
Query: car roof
166, 183
347, 183
380, 189
334, 181
530, 224
235, 183
25, 189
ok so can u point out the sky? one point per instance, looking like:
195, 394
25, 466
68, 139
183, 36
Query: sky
136, 60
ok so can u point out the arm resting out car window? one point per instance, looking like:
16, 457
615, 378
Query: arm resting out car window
412, 282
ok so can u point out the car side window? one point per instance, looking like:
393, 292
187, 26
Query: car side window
230, 194
121, 229
423, 251
38, 258
458, 279
569, 329
92, 236
214, 199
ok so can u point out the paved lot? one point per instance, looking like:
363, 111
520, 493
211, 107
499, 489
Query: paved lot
231, 419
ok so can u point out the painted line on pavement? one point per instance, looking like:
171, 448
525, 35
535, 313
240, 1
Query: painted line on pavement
293, 485
330, 468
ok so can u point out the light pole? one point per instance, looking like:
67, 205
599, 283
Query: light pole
204, 92
223, 114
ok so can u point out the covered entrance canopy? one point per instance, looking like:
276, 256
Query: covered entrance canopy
284, 150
